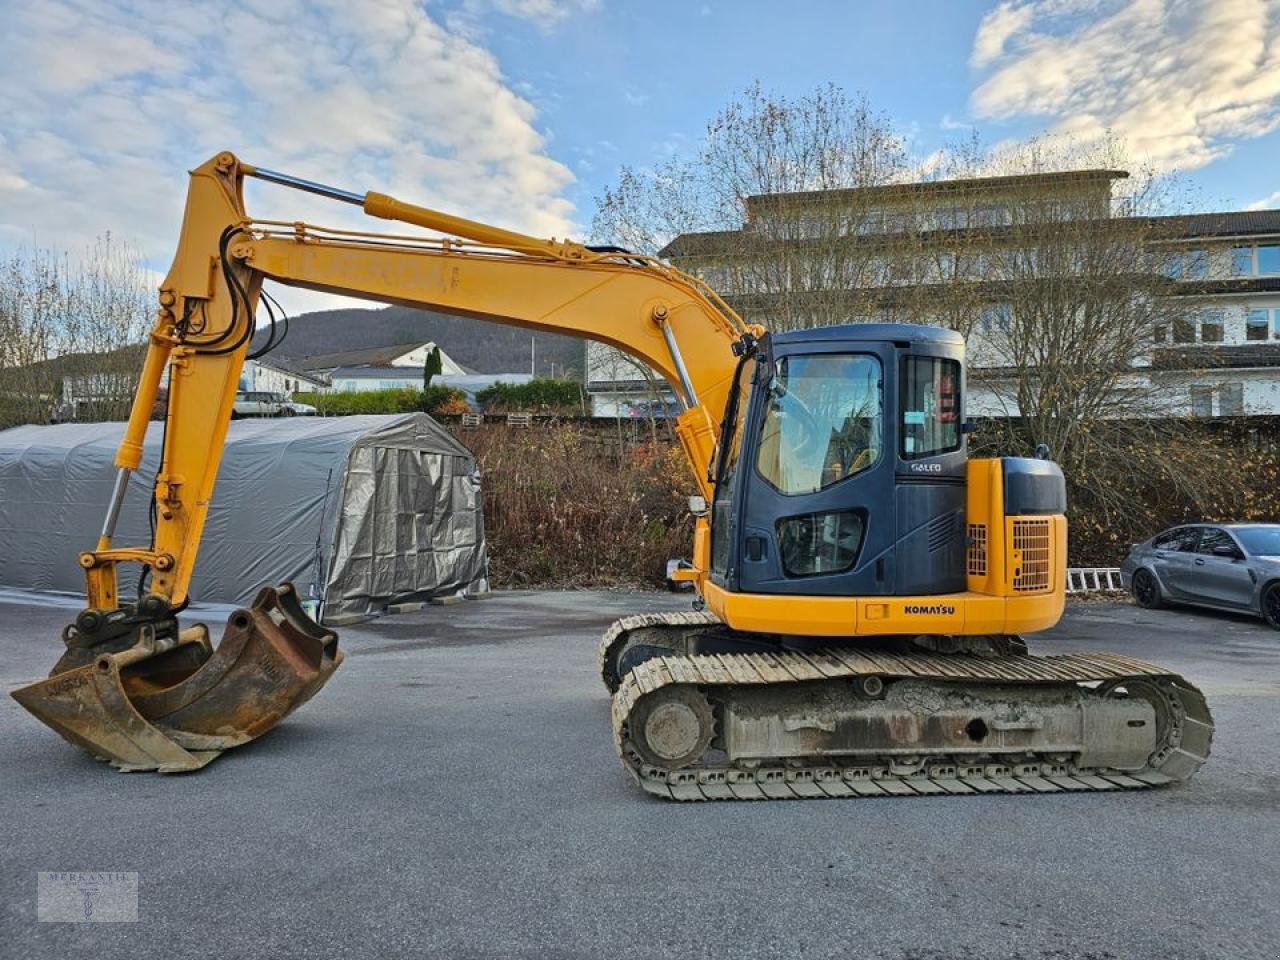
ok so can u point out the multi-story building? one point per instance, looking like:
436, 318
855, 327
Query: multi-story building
961, 253
1223, 351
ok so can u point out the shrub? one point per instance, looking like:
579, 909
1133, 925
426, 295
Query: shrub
1234, 475
565, 509
542, 396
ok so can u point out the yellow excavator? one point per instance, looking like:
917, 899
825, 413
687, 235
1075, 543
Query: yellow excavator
863, 584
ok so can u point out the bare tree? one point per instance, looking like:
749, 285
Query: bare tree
71, 330
753, 210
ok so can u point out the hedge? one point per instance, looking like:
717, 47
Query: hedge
536, 396
435, 399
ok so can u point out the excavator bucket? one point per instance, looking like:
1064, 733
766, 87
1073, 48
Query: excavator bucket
174, 704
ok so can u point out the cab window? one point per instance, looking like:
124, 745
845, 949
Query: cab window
930, 407
722, 504
822, 421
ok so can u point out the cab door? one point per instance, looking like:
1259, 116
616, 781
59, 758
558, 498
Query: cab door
817, 473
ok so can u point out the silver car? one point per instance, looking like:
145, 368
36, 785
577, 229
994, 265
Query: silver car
1227, 566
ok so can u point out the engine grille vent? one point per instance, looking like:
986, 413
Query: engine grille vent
1031, 540
976, 556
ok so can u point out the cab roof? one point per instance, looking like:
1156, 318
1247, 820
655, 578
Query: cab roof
871, 332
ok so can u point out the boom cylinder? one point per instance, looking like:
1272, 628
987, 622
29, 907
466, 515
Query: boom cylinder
129, 455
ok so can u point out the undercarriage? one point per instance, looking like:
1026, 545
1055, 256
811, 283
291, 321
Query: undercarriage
701, 712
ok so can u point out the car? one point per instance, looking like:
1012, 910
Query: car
292, 408
259, 403
1224, 566
653, 410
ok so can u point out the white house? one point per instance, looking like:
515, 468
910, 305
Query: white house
274, 376
379, 368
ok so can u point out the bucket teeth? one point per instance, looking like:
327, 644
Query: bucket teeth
174, 707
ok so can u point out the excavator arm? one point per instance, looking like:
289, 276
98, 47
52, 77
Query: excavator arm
132, 687
662, 317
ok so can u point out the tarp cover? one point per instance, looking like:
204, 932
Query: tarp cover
364, 511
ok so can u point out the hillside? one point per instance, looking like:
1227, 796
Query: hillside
484, 347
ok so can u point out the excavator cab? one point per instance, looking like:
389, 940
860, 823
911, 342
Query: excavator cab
846, 475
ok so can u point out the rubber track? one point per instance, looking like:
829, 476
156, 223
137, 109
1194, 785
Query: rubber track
618, 630
1187, 737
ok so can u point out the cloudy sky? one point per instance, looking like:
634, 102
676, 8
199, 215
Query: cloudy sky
520, 111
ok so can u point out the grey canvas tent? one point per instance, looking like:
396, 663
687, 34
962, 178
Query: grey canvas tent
359, 512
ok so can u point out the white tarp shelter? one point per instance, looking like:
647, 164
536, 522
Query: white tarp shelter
360, 512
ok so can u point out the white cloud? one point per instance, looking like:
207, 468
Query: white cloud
107, 104
543, 13
552, 10
995, 30
1269, 202
1179, 80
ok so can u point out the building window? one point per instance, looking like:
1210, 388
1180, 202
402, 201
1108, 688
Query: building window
1184, 330
1159, 332
1201, 401
1231, 400
1241, 261
1269, 259
1211, 326
1256, 325
871, 222
950, 218
974, 266
1186, 265
991, 216
899, 223
995, 317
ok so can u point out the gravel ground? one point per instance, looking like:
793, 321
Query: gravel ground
454, 793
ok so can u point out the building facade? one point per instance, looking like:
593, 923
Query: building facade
274, 376
619, 386
961, 253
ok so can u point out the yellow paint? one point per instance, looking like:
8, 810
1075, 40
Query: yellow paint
965, 613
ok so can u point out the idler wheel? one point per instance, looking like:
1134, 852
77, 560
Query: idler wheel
672, 727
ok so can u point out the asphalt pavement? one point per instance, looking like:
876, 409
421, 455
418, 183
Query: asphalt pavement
454, 792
